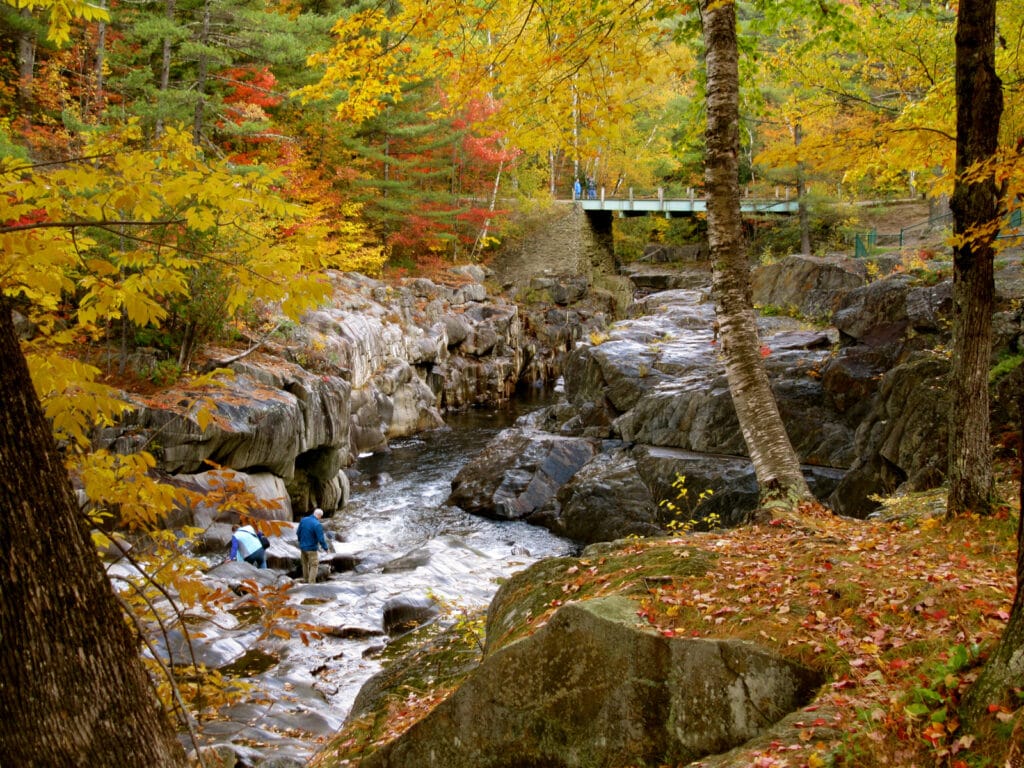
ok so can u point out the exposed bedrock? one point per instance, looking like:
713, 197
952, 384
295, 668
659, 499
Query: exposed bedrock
379, 362
863, 401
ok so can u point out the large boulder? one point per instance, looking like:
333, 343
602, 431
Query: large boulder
594, 688
212, 488
812, 286
518, 473
898, 314
901, 444
255, 419
604, 501
623, 493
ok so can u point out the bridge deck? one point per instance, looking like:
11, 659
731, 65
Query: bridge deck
680, 207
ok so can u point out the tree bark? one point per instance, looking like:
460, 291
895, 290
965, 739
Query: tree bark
26, 58
201, 75
775, 462
101, 51
801, 196
73, 690
979, 107
1004, 670
165, 65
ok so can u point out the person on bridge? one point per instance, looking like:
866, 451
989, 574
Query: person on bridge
591, 189
577, 190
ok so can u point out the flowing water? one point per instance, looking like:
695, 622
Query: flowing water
397, 497
407, 547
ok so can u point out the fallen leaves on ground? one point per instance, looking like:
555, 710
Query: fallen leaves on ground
896, 613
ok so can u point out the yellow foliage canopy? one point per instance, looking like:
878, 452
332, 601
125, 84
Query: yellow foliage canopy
119, 236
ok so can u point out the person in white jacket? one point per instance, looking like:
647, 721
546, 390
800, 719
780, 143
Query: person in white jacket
246, 546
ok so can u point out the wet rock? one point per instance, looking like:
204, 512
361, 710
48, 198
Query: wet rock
407, 612
518, 473
339, 562
605, 500
408, 562
350, 632
649, 279
212, 652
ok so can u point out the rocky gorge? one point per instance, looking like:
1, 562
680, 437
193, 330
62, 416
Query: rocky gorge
647, 402
857, 366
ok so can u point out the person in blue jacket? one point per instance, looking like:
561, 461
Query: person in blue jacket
311, 538
246, 545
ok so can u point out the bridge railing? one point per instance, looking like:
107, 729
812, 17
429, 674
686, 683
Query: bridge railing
659, 193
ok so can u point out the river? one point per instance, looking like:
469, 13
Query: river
406, 546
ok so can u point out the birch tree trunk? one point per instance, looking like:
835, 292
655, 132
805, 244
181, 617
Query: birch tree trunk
979, 100
165, 64
73, 691
201, 74
775, 462
26, 58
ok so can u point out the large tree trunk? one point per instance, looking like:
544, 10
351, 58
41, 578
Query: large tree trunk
979, 107
73, 690
979, 101
1004, 671
775, 461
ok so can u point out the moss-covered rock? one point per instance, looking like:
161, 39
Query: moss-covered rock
595, 686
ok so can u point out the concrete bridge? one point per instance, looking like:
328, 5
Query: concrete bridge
669, 207
574, 237
600, 211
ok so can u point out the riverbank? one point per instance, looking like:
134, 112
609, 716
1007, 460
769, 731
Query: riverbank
895, 615
297, 655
